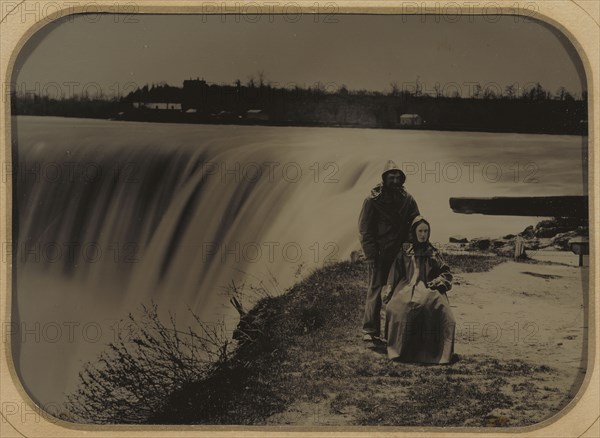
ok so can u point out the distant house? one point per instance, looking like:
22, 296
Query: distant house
411, 120
158, 105
256, 114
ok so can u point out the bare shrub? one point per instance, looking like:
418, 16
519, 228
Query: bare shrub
134, 377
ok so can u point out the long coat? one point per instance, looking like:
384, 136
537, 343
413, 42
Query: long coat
419, 323
385, 221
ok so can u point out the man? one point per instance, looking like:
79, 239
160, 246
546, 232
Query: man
384, 225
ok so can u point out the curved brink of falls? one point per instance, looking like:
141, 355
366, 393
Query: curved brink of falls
113, 214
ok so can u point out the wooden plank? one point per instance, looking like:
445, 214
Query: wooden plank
544, 206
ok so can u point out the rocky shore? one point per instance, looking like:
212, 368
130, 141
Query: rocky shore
550, 233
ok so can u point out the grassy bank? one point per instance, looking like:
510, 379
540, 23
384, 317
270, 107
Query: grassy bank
306, 365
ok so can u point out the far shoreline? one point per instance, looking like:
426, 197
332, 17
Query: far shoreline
300, 125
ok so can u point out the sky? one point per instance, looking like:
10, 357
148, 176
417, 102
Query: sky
116, 54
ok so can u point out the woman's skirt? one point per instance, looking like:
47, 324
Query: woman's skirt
419, 326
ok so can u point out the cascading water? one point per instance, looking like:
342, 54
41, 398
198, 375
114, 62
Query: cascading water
111, 215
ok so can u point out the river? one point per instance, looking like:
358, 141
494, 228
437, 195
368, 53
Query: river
110, 215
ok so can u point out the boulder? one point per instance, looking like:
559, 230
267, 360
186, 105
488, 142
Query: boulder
568, 222
532, 244
458, 239
551, 231
480, 243
561, 240
527, 232
544, 232
546, 223
497, 243
557, 225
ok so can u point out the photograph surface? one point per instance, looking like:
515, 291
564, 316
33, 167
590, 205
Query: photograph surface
300, 219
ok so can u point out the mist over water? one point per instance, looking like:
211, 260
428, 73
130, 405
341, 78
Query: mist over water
114, 214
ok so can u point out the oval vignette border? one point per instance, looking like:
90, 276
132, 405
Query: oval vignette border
562, 15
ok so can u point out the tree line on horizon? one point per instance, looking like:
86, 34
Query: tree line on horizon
533, 109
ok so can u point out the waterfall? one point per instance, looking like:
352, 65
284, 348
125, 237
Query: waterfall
111, 215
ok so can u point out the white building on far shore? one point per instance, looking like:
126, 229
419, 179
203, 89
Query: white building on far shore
158, 105
411, 120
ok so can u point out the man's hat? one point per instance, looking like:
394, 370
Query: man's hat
389, 166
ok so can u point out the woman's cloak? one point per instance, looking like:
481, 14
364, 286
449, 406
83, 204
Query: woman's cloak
419, 323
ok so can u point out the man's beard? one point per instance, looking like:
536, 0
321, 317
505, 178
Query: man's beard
393, 188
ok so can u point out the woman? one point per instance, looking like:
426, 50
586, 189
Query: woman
419, 324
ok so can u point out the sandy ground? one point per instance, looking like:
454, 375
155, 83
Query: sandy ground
533, 312
555, 256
